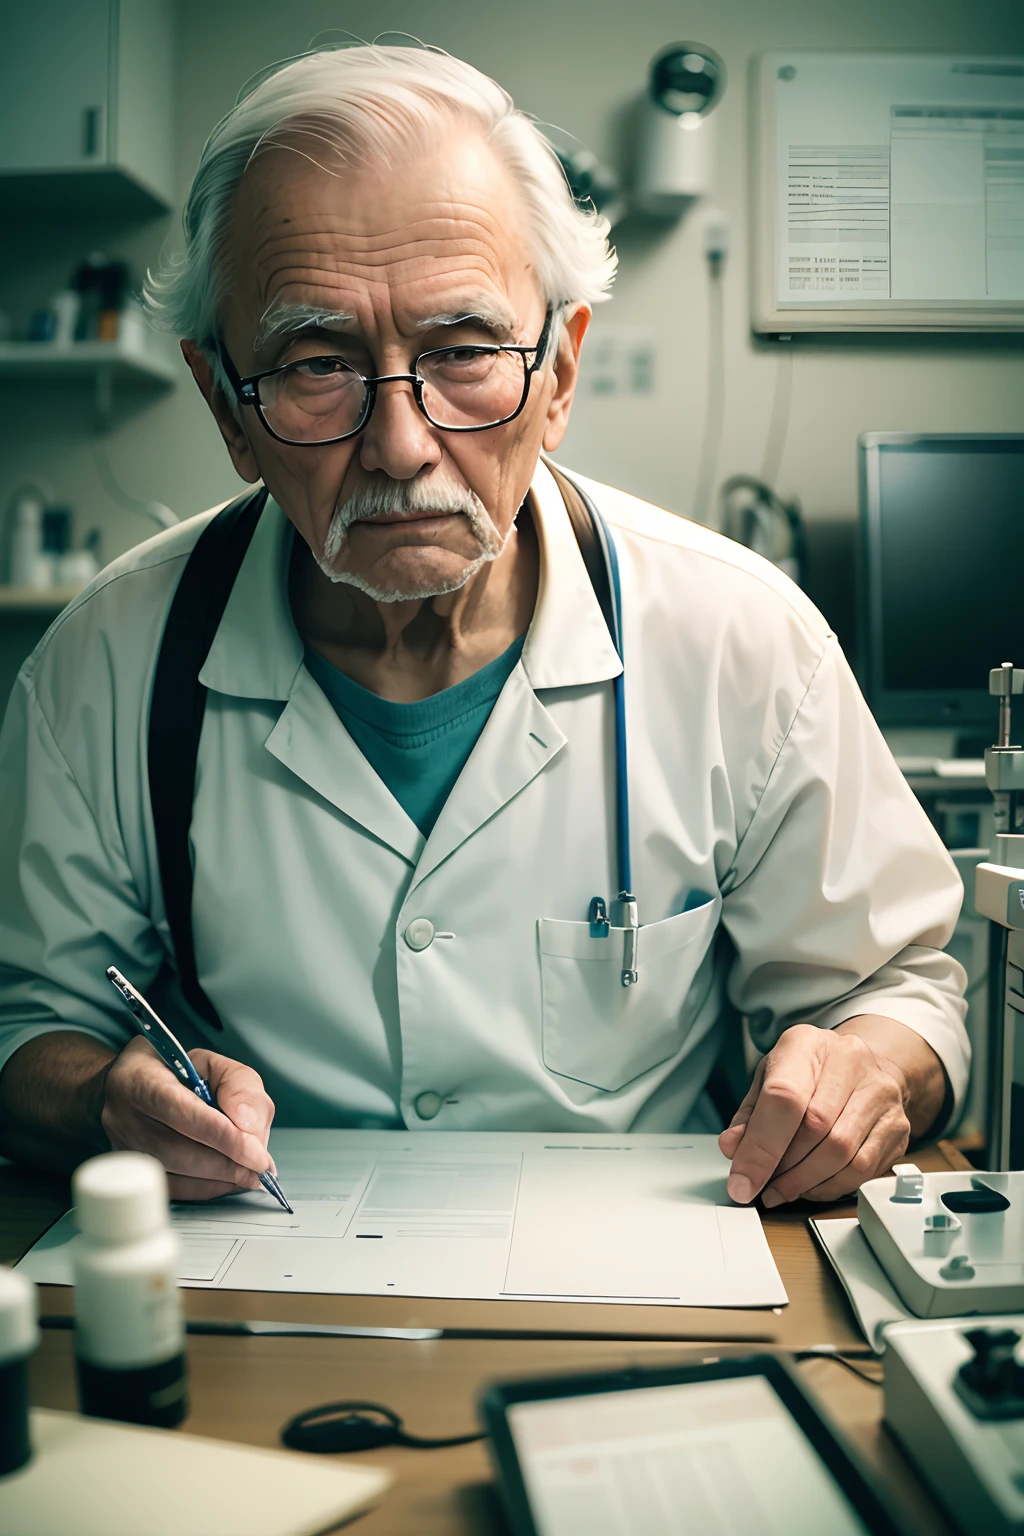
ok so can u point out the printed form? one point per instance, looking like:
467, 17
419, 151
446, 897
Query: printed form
899, 180
489, 1215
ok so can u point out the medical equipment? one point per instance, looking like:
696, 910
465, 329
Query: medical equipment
676, 148
954, 1398
954, 1248
625, 909
753, 515
929, 1245
999, 896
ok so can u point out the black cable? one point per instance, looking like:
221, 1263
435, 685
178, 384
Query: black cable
825, 1353
348, 1426
335, 1428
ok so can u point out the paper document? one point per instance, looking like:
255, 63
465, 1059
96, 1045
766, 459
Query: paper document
699, 1458
477, 1215
874, 1302
899, 179
96, 1478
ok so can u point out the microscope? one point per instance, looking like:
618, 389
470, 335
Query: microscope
999, 896
952, 1244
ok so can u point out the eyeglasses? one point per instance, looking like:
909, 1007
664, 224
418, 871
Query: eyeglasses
326, 400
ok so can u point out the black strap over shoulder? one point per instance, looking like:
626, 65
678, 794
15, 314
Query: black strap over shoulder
176, 712
587, 539
178, 701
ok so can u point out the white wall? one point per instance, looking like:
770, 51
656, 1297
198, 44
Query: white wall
580, 64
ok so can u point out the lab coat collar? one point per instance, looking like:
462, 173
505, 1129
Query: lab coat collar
257, 651
519, 739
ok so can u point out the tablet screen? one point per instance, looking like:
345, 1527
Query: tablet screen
703, 1458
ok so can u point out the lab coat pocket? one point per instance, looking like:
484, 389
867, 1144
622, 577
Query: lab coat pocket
598, 1031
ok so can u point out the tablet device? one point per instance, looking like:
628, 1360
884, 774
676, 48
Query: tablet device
731, 1448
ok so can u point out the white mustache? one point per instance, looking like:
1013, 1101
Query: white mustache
404, 498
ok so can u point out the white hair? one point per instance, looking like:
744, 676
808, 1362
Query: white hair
362, 103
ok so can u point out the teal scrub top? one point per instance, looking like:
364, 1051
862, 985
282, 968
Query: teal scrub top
418, 750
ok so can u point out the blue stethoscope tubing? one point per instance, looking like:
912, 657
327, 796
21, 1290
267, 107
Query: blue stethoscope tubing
627, 900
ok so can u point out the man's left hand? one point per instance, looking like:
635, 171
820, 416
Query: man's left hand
824, 1113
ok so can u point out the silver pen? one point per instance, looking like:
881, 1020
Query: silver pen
174, 1056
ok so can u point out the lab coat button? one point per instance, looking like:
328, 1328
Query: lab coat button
428, 1104
418, 935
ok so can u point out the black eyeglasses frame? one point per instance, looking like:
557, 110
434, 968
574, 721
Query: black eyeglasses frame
247, 389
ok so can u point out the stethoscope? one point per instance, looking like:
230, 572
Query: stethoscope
628, 912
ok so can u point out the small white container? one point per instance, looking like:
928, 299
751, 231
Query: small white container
19, 1335
132, 331
65, 306
129, 1327
76, 568
29, 566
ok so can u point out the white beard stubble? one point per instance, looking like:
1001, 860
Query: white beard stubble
401, 497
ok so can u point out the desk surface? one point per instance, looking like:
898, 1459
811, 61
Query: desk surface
246, 1388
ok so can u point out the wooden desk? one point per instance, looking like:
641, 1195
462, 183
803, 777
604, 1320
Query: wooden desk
246, 1388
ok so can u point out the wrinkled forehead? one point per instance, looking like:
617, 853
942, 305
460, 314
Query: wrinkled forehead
405, 231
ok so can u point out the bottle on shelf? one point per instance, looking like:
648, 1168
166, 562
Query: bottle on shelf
29, 566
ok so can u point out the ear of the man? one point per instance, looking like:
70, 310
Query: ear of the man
567, 370
223, 411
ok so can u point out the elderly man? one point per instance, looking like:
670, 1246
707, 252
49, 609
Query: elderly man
403, 844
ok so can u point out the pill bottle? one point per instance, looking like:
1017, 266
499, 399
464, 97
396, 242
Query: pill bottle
29, 567
129, 1329
19, 1335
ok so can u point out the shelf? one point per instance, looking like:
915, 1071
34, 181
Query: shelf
86, 191
29, 600
85, 361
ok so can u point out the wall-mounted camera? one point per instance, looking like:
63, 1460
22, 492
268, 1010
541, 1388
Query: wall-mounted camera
675, 146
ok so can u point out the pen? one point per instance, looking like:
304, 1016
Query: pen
248, 1328
173, 1055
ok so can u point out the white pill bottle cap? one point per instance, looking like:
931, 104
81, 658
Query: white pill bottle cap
19, 1327
120, 1197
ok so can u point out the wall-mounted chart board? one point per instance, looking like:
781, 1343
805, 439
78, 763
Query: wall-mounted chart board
888, 192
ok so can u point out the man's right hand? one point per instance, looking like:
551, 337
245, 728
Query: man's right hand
205, 1153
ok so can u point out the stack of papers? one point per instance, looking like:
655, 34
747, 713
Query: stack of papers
489, 1216
870, 1292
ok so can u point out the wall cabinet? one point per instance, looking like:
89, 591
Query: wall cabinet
86, 105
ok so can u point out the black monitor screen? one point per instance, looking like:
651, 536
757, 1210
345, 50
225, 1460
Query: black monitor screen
946, 562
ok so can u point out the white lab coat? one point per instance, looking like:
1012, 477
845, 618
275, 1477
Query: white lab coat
777, 852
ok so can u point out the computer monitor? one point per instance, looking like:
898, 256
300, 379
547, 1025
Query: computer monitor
942, 529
